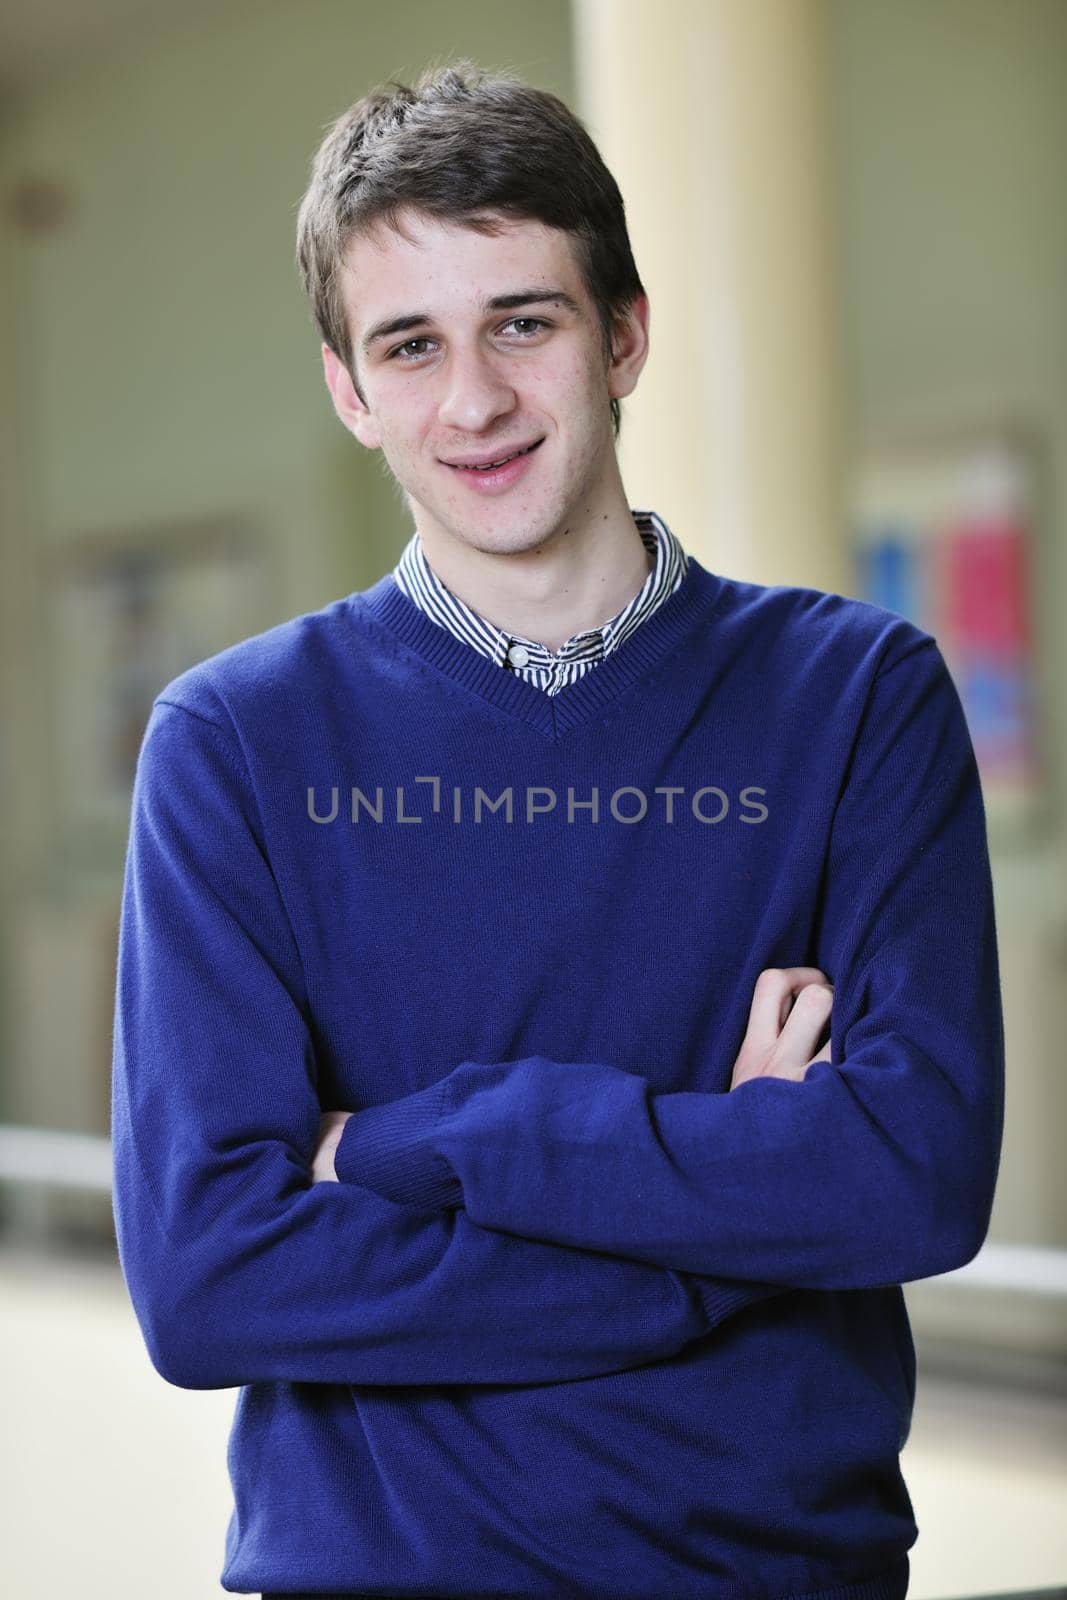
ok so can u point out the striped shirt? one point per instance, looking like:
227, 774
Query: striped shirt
546, 669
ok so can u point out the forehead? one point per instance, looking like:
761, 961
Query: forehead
438, 266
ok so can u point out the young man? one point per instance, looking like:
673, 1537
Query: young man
479, 937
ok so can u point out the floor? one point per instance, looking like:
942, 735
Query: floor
113, 1483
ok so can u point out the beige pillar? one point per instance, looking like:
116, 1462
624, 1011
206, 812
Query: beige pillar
712, 116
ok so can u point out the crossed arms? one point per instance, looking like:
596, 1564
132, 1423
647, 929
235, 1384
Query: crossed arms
789, 1014
240, 1268
874, 1165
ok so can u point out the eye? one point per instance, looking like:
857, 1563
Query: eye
528, 328
533, 323
399, 355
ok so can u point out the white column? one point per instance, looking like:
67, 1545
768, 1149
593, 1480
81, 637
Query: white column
712, 116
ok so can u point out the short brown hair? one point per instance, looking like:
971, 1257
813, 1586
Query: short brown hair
462, 142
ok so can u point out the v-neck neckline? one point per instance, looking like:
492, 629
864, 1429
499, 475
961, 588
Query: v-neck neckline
576, 702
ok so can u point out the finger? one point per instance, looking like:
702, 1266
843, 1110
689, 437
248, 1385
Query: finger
803, 1029
772, 997
775, 990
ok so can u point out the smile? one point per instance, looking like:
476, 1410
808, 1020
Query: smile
490, 466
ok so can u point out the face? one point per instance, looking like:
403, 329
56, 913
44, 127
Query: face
469, 348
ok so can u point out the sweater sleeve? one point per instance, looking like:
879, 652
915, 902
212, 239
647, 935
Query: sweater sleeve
880, 1166
239, 1267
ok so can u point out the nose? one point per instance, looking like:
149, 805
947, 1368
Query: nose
475, 393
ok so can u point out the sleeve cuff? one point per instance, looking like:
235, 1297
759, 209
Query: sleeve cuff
386, 1148
725, 1297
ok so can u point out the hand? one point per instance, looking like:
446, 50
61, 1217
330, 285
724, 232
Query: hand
331, 1127
790, 1012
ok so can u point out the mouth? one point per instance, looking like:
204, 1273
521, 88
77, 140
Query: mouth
495, 465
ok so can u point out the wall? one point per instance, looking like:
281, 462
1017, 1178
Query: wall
165, 374
951, 131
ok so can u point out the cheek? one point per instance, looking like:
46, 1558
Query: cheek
403, 428
570, 388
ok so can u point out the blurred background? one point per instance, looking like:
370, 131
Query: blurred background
850, 216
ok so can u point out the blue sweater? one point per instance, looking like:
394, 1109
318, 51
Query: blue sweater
578, 1319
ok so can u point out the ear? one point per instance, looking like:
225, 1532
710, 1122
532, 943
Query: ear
347, 403
629, 347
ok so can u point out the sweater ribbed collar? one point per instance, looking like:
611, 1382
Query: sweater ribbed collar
640, 653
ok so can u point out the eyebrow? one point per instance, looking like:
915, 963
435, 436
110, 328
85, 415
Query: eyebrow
500, 302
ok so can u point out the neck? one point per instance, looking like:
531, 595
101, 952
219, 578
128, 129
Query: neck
579, 576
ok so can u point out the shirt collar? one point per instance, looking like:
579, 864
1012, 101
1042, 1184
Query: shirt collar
417, 578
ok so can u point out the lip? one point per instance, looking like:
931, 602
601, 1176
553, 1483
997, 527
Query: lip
500, 477
477, 461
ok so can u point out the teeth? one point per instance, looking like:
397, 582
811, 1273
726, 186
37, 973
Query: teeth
490, 466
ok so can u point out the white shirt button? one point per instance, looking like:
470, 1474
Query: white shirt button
518, 655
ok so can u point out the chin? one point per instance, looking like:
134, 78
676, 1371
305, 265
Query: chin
512, 540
